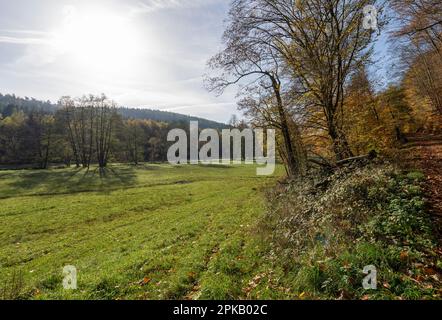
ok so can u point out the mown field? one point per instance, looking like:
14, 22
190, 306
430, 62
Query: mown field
146, 232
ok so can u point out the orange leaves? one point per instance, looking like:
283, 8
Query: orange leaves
429, 271
145, 281
404, 255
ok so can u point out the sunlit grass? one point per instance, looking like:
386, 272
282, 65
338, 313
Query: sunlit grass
146, 232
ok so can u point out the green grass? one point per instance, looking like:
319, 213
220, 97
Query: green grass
185, 230
209, 232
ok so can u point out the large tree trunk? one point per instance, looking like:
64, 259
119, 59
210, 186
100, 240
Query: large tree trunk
293, 163
341, 147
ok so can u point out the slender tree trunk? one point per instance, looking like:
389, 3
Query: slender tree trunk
91, 137
136, 148
292, 161
72, 139
48, 147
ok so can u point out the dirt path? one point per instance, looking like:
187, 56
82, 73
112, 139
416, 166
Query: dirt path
425, 153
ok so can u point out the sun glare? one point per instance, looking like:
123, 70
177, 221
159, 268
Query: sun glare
97, 40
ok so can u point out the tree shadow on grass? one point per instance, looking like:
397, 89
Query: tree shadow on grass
202, 165
148, 166
216, 166
73, 180
27, 180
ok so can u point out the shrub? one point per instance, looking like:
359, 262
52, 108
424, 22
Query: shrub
323, 237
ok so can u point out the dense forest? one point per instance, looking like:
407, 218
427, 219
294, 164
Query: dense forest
11, 103
84, 131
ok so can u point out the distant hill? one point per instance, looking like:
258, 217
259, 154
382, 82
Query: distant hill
10, 103
168, 117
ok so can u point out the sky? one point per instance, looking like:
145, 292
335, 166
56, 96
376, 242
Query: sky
140, 53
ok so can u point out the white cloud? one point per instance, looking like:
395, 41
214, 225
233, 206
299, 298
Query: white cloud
18, 40
24, 37
149, 6
164, 70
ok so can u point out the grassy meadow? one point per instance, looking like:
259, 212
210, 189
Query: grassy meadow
140, 232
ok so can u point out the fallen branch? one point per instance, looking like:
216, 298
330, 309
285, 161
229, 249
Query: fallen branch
321, 163
325, 164
372, 155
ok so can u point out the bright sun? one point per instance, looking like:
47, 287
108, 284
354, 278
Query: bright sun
97, 40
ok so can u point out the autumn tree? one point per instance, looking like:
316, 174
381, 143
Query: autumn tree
104, 120
422, 72
11, 138
133, 140
39, 137
79, 119
318, 43
251, 58
90, 124
327, 45
420, 19
419, 41
364, 123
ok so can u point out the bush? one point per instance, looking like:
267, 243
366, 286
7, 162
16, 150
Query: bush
322, 238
